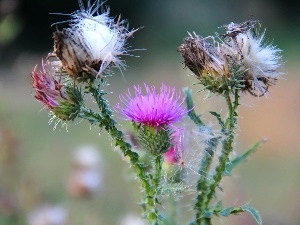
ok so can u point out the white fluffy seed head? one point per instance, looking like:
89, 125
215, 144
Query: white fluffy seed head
104, 43
262, 62
93, 43
259, 59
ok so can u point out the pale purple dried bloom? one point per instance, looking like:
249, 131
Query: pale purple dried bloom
152, 109
62, 100
48, 88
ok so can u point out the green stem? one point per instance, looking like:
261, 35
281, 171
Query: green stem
203, 182
105, 121
157, 170
227, 144
156, 179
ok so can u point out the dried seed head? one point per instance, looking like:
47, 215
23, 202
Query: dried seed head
209, 61
239, 61
202, 57
92, 44
234, 29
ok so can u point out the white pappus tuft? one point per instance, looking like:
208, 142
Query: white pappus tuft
93, 42
262, 62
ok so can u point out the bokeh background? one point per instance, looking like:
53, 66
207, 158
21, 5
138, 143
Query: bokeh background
36, 161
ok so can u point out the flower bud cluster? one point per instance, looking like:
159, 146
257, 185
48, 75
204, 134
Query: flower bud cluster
240, 60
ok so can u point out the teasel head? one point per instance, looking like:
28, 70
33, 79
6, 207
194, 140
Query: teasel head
92, 44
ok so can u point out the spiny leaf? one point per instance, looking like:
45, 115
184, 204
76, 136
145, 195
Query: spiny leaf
254, 212
226, 212
190, 105
245, 208
216, 208
242, 158
218, 116
207, 214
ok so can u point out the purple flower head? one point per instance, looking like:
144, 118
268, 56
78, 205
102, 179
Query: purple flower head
152, 109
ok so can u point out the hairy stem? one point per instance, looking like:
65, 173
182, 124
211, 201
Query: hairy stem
203, 182
156, 179
157, 170
227, 144
104, 119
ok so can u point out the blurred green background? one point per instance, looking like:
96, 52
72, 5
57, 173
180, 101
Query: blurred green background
35, 160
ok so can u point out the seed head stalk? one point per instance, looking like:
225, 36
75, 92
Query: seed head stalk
227, 146
203, 182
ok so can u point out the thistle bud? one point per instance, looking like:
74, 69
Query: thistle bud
155, 140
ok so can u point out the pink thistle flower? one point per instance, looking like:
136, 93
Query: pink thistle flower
48, 89
152, 109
